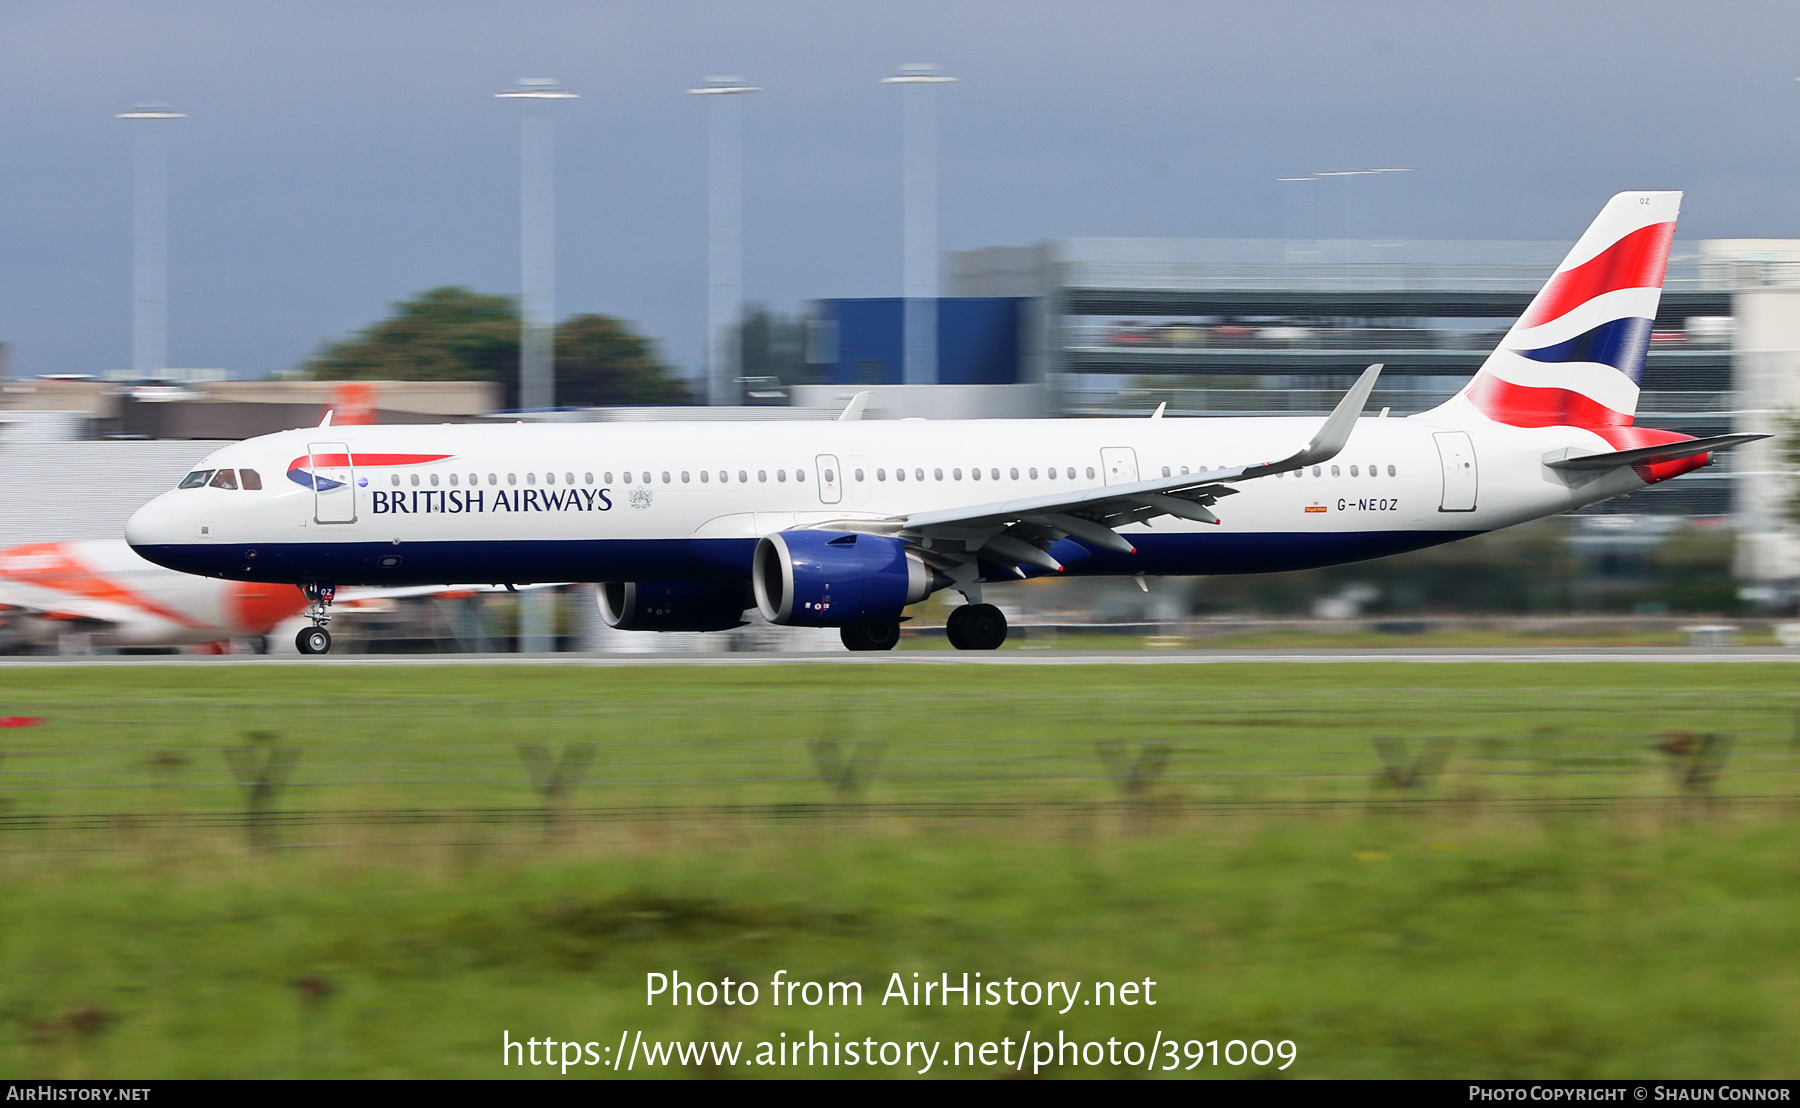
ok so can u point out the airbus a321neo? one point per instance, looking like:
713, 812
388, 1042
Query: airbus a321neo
845, 523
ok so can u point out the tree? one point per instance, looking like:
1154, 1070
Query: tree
455, 334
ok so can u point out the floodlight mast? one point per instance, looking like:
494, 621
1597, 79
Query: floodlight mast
918, 81
537, 292
725, 235
537, 238
150, 239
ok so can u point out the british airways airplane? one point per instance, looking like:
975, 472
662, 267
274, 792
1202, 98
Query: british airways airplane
845, 523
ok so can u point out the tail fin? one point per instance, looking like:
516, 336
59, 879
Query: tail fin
1576, 356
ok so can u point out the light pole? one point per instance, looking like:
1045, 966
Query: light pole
920, 264
537, 239
150, 239
537, 294
1344, 176
724, 235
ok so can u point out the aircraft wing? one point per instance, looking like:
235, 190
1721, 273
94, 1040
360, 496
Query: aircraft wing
1013, 532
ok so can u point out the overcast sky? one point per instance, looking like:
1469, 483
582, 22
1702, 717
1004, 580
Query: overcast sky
340, 156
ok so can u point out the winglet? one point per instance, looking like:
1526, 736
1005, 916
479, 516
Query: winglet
854, 409
1335, 432
326, 422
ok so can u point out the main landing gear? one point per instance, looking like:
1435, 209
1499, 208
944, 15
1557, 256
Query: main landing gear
976, 627
870, 636
315, 639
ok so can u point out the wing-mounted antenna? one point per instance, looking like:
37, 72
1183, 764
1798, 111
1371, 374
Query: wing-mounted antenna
326, 422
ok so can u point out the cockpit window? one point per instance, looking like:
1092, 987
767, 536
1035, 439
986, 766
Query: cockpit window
195, 479
251, 479
224, 479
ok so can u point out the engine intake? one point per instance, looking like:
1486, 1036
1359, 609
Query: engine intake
673, 606
837, 578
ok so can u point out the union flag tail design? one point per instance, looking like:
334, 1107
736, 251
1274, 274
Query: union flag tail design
1576, 356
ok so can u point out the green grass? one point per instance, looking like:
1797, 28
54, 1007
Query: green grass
1554, 903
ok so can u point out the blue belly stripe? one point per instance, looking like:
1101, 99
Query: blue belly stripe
478, 562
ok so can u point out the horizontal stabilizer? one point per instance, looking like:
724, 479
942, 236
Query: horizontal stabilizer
1648, 455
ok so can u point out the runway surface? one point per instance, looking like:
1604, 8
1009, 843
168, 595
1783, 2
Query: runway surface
1674, 655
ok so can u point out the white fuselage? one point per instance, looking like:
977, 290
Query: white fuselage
480, 503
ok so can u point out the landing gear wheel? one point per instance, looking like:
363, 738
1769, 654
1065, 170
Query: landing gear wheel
954, 627
870, 636
976, 627
313, 640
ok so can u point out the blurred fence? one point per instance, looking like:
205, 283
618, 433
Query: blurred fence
103, 774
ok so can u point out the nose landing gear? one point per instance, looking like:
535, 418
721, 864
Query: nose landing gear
315, 639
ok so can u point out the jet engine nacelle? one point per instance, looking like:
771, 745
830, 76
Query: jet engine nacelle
678, 606
837, 578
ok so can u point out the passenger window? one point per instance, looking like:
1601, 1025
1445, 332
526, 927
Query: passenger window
1166, 472
859, 476
1316, 471
530, 479
1052, 472
225, 479
453, 480
938, 473
1391, 472
743, 478
587, 478
252, 480
1353, 472
705, 476
512, 478
1072, 473
1015, 472
994, 475
1090, 473
899, 475
799, 475
881, 475
1032, 473
762, 475
628, 477
1374, 471
957, 473
1334, 471
415, 480
434, 480
549, 478
724, 477
606, 477
919, 475
830, 478
665, 476
493, 479
569, 478
684, 476
1184, 470
196, 479
781, 475
394, 480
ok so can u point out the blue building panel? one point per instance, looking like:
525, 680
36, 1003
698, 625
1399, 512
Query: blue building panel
978, 340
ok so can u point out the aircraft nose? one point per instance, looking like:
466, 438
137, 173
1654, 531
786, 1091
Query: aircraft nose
151, 525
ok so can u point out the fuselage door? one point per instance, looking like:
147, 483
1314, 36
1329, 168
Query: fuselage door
334, 482
1119, 463
831, 479
1461, 477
